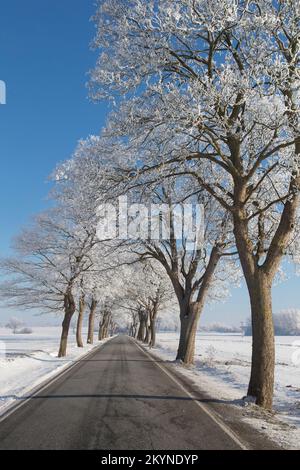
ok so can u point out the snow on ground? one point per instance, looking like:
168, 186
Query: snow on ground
222, 368
29, 359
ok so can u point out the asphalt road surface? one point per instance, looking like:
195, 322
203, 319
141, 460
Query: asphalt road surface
116, 398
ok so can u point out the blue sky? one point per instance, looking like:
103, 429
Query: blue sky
44, 60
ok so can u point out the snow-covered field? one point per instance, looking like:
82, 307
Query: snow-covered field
222, 368
28, 360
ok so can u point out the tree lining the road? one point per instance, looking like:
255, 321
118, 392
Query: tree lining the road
212, 90
205, 98
199, 272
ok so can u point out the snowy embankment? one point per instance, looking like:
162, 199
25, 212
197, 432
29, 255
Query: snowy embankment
28, 360
222, 368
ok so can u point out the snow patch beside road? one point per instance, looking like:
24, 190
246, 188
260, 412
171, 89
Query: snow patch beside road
26, 361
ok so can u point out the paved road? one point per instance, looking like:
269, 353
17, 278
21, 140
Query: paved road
117, 398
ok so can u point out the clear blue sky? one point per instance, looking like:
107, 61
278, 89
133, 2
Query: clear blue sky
44, 59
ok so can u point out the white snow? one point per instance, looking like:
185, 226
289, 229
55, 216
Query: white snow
28, 360
222, 368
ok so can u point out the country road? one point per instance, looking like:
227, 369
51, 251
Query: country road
116, 398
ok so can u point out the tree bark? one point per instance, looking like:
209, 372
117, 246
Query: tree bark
152, 333
90, 337
189, 318
105, 331
80, 321
100, 331
143, 319
153, 317
190, 311
261, 383
141, 331
259, 281
104, 326
135, 324
146, 339
69, 307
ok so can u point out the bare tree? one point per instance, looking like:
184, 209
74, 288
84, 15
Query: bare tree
14, 323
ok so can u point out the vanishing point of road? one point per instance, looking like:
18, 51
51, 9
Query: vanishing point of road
116, 398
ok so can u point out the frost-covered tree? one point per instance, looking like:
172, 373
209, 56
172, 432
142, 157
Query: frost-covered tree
149, 291
50, 258
100, 289
213, 91
287, 322
14, 323
192, 270
141, 291
193, 250
77, 192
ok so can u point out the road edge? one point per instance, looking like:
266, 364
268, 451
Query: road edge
18, 403
228, 417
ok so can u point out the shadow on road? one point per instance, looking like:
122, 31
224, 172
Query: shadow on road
122, 396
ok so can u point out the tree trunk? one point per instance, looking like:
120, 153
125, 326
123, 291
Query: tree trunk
79, 330
105, 334
186, 320
190, 311
147, 333
100, 331
64, 335
69, 312
135, 324
189, 318
153, 317
102, 334
90, 337
80, 321
182, 337
189, 355
141, 331
104, 326
259, 281
153, 334
261, 383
